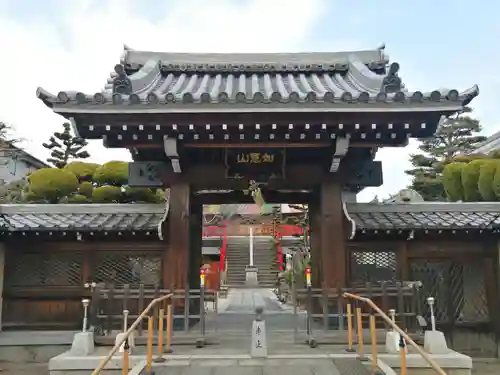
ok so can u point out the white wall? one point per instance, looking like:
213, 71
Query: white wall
12, 169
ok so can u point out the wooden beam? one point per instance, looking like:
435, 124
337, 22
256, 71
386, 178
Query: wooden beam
213, 176
270, 196
257, 145
233, 119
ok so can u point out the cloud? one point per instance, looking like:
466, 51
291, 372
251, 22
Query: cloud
77, 49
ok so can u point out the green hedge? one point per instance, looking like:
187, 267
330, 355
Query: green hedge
452, 181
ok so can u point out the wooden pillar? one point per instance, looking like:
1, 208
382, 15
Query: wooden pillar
494, 302
179, 236
333, 243
196, 243
315, 228
402, 271
3, 249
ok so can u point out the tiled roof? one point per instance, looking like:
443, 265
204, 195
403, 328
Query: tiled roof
61, 217
144, 217
322, 80
415, 216
426, 216
492, 143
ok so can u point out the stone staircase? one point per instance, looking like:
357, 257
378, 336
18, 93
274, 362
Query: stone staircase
238, 257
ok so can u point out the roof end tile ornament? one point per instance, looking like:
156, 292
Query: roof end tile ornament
122, 83
392, 82
47, 97
123, 57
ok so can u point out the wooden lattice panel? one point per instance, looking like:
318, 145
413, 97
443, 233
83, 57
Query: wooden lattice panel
368, 266
459, 290
44, 269
120, 268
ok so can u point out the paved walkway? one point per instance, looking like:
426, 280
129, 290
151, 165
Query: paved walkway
279, 367
244, 301
237, 312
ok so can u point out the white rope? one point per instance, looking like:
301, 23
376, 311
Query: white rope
353, 223
206, 222
165, 214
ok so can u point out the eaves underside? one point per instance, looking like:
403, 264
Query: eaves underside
267, 108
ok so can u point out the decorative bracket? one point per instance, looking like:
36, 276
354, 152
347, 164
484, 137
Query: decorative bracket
341, 147
170, 146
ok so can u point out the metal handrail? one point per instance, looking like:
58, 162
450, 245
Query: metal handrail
131, 329
408, 339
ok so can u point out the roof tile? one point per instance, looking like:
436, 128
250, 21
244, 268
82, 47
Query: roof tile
281, 79
143, 217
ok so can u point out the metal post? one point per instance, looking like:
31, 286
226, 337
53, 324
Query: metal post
149, 346
402, 353
201, 341
161, 318
310, 338
85, 303
168, 341
430, 301
125, 364
359, 326
349, 329
251, 246
202, 310
309, 311
373, 337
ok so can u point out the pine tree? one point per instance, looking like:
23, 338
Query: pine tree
65, 147
457, 135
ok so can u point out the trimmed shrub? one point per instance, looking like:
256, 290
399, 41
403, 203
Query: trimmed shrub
107, 194
114, 173
141, 195
496, 183
52, 184
86, 189
485, 181
83, 171
452, 181
470, 179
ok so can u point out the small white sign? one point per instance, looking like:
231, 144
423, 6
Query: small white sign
259, 342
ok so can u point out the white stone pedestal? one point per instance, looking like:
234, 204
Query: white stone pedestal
259, 342
131, 342
83, 344
435, 342
251, 276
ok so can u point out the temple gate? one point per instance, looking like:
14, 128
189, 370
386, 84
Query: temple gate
302, 128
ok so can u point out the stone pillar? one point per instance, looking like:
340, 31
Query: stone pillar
333, 244
3, 249
179, 236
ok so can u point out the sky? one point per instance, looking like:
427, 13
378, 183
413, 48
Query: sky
74, 45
